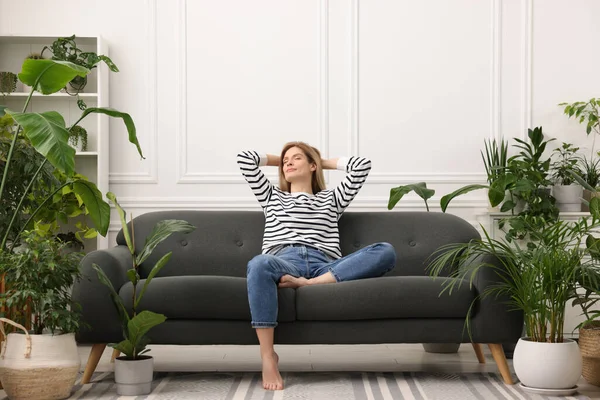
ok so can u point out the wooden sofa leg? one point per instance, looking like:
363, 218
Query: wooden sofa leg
479, 353
92, 362
115, 354
498, 354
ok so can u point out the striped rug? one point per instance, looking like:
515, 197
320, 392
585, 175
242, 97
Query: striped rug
317, 386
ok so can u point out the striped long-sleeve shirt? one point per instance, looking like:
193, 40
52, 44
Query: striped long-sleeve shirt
302, 218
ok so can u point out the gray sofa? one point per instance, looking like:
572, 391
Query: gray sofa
202, 290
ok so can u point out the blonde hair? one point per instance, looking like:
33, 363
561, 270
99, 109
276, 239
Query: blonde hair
313, 155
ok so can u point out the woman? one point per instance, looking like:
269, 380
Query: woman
301, 239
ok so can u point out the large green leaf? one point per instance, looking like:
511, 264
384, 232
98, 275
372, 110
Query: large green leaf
117, 114
161, 231
2, 108
139, 325
118, 302
155, 270
111, 196
419, 188
125, 347
92, 198
595, 207
54, 74
445, 200
49, 136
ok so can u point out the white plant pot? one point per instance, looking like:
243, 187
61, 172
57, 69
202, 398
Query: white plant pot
38, 367
568, 198
134, 377
544, 365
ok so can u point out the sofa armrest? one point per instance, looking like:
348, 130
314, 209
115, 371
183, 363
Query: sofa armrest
492, 318
97, 308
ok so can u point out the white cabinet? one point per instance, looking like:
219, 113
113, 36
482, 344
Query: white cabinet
92, 163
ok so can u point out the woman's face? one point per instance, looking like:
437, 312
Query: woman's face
296, 165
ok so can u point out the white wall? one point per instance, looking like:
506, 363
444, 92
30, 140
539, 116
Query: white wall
414, 85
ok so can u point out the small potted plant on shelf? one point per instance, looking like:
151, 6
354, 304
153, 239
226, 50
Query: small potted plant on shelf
78, 138
565, 190
538, 280
8, 82
38, 297
134, 370
65, 49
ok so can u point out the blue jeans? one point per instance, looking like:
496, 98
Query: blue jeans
265, 270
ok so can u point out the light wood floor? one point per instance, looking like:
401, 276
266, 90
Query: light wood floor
387, 357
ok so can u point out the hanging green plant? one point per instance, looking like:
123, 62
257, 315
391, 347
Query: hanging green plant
8, 82
78, 134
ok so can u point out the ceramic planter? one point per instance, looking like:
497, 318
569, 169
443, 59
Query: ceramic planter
38, 367
568, 198
134, 377
543, 365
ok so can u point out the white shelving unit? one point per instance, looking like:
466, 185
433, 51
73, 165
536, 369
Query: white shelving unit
92, 163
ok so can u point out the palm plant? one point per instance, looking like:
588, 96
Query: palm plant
590, 171
538, 280
495, 159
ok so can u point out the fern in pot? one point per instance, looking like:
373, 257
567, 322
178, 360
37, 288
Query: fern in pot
539, 280
134, 370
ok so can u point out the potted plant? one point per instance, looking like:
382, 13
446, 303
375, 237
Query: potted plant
566, 192
78, 138
48, 135
65, 49
8, 82
495, 161
591, 175
134, 370
44, 363
539, 280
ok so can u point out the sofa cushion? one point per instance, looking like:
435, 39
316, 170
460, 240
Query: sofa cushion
204, 297
383, 298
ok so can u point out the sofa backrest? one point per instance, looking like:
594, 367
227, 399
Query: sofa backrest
224, 241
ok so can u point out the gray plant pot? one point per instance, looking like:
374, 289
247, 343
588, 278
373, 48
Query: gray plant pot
441, 347
568, 198
134, 377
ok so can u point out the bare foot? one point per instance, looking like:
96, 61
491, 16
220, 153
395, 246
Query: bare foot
270, 372
289, 281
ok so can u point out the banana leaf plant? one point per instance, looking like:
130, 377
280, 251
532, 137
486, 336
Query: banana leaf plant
420, 189
49, 135
136, 326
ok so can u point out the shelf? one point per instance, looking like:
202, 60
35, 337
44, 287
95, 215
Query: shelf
36, 94
86, 154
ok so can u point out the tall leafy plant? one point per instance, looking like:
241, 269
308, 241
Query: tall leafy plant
41, 275
137, 324
537, 280
49, 135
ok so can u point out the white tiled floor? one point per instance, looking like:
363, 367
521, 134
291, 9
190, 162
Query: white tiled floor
385, 357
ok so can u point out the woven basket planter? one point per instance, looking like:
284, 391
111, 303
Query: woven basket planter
38, 367
589, 345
